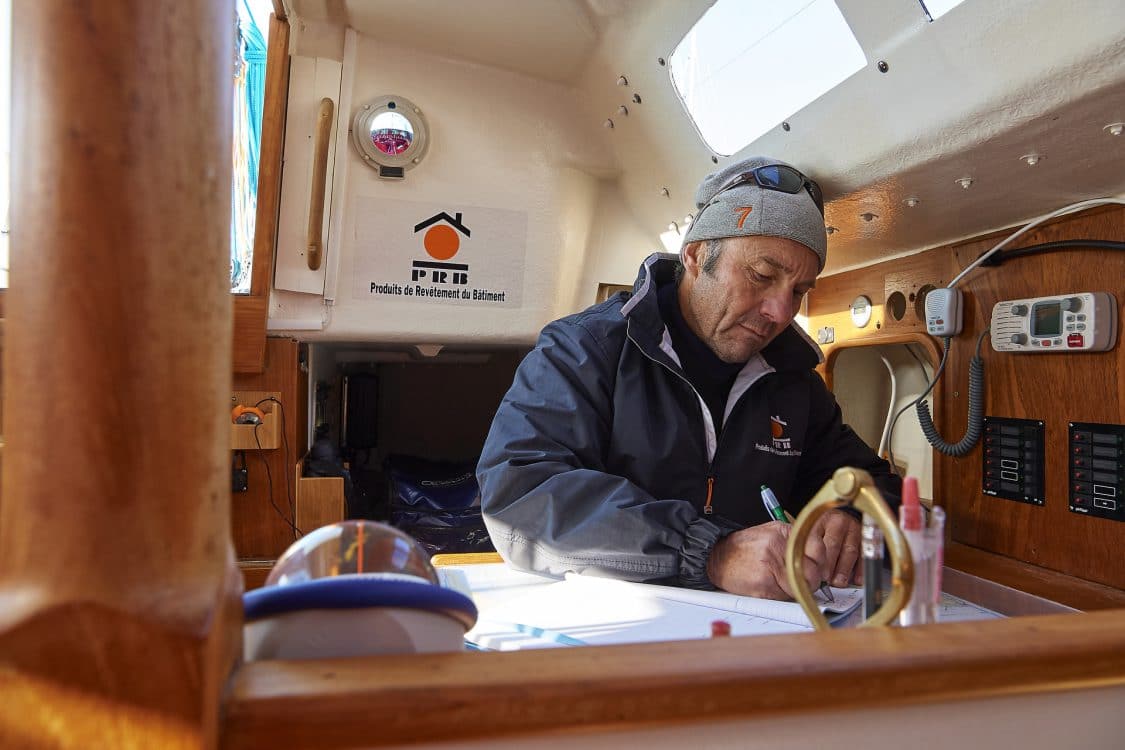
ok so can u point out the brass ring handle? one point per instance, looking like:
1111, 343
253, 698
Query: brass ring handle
854, 488
314, 243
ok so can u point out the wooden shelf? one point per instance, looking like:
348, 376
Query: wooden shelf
251, 437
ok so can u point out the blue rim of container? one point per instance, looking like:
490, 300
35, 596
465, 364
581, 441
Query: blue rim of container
357, 592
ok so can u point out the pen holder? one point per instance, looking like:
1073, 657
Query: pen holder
854, 488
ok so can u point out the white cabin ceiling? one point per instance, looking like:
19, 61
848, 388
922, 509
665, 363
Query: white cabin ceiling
965, 96
548, 39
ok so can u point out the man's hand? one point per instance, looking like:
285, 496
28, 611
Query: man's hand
840, 535
751, 562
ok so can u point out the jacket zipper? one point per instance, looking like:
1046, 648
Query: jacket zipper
707, 509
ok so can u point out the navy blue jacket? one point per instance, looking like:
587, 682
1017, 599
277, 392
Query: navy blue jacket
601, 454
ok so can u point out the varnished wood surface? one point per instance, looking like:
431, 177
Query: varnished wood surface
260, 530
1054, 388
1057, 587
466, 558
251, 311
402, 699
121, 619
254, 572
248, 346
320, 501
830, 302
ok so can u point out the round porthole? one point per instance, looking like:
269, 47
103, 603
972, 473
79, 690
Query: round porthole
391, 135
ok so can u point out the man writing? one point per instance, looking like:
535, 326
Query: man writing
637, 433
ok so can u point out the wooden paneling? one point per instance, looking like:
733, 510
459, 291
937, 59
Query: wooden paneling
1054, 388
259, 529
830, 301
251, 311
335, 704
248, 347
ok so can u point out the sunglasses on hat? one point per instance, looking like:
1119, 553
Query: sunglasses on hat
781, 178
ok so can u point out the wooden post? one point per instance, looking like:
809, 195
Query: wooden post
120, 617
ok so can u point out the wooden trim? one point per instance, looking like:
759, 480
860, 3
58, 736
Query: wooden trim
273, 143
314, 233
1057, 587
465, 558
252, 310
334, 704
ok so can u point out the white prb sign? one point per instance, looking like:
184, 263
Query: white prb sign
438, 253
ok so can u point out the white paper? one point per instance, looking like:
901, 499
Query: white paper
847, 599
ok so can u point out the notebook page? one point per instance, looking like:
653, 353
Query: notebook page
847, 599
564, 613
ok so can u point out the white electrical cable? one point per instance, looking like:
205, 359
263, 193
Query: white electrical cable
1072, 208
890, 406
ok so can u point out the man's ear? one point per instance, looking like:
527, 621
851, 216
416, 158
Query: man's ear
692, 256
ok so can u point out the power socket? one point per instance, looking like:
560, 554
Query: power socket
943, 312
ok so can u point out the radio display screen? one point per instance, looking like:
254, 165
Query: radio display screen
1046, 319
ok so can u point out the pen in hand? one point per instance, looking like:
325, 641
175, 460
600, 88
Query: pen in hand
778, 514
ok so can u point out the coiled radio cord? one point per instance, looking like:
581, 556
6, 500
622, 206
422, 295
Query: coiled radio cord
976, 408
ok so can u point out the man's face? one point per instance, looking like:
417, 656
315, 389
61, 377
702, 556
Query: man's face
749, 297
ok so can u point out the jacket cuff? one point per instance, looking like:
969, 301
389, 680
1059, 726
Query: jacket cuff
700, 538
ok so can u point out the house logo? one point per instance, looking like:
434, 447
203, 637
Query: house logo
421, 252
442, 241
777, 432
780, 442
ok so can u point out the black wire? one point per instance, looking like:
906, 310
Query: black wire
269, 480
285, 444
998, 258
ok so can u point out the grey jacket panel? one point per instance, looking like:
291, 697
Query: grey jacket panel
597, 458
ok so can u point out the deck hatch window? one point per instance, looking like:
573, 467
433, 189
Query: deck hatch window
746, 67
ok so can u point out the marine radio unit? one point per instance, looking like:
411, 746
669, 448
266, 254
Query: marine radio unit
1076, 322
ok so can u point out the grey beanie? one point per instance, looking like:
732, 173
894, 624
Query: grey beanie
750, 210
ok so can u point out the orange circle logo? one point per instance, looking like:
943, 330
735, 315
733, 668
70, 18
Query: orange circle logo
441, 242
776, 429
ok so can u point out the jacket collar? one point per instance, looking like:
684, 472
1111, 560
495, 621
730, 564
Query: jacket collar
791, 350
